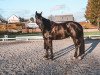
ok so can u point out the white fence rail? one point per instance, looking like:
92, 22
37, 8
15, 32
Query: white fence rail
92, 36
6, 39
26, 38
29, 38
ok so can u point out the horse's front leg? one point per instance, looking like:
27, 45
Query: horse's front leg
46, 48
51, 49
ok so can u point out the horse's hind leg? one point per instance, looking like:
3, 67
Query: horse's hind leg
76, 47
76, 51
81, 47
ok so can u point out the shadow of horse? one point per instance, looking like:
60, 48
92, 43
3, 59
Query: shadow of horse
63, 51
94, 43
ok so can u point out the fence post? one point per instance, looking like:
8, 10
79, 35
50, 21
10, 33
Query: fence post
5, 38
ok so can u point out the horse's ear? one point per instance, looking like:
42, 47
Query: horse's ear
41, 13
36, 12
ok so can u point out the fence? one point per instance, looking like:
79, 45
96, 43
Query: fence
92, 36
26, 38
23, 38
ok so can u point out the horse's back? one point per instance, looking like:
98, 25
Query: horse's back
75, 24
66, 29
67, 23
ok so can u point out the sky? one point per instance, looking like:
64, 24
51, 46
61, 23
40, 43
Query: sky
27, 8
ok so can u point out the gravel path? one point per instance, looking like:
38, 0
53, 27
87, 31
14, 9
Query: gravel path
26, 58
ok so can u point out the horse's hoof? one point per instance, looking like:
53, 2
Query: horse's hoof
74, 58
46, 56
80, 58
51, 57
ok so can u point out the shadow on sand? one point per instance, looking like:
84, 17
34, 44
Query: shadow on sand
64, 51
93, 42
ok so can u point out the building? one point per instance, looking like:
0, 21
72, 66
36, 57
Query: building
13, 19
61, 18
30, 28
31, 25
27, 30
2, 28
2, 21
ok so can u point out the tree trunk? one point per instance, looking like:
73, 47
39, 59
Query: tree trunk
98, 23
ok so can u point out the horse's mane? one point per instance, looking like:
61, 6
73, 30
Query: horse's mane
46, 23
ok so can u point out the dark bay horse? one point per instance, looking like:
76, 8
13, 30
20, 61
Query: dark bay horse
56, 31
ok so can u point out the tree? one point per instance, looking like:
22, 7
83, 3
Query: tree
22, 19
2, 20
93, 12
32, 19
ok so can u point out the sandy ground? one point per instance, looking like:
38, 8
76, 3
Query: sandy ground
26, 58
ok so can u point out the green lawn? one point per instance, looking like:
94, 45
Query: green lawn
92, 33
13, 35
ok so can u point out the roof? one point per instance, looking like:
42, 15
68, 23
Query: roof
88, 25
13, 15
62, 15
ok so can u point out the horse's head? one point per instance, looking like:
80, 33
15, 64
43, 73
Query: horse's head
38, 17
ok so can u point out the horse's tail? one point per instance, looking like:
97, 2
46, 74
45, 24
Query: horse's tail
82, 46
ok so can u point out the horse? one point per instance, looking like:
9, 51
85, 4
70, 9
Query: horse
57, 31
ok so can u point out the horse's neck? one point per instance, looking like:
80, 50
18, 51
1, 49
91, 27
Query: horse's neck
45, 21
46, 24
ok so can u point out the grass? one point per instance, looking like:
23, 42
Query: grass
13, 35
92, 33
